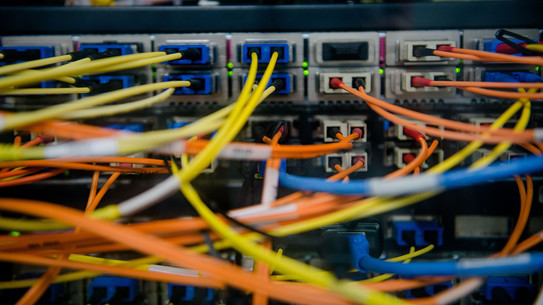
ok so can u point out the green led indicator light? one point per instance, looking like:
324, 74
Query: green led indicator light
305, 64
458, 70
230, 73
154, 74
538, 68
306, 72
153, 66
14, 233
230, 65
460, 61
381, 71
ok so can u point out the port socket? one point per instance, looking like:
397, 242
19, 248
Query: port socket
353, 125
204, 50
353, 80
203, 84
414, 54
331, 128
354, 156
336, 158
265, 52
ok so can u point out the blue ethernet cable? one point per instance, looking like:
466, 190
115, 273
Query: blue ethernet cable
415, 184
512, 265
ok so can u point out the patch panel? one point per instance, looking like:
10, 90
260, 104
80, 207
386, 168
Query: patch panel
289, 46
319, 83
398, 83
201, 84
111, 82
286, 79
211, 46
112, 290
178, 295
402, 47
344, 49
354, 80
417, 233
513, 289
292, 78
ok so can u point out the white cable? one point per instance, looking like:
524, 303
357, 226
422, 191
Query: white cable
150, 197
463, 289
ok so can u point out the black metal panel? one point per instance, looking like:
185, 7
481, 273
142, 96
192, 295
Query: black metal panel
393, 16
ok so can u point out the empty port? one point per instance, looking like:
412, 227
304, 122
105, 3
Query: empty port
344, 51
202, 84
203, 59
416, 50
265, 51
123, 49
417, 233
286, 81
514, 289
354, 80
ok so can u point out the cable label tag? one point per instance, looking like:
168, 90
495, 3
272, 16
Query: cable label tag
239, 151
95, 147
173, 148
487, 263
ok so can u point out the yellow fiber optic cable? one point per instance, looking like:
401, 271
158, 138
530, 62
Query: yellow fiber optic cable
26, 118
116, 109
43, 91
535, 47
33, 64
135, 64
71, 69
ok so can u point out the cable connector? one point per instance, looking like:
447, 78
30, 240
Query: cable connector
445, 48
196, 84
415, 135
419, 81
422, 51
526, 77
77, 55
105, 87
335, 83
279, 84
358, 131
191, 53
82, 83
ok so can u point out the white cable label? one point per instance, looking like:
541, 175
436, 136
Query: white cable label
173, 270
172, 148
538, 134
239, 151
271, 182
400, 186
94, 147
484, 262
